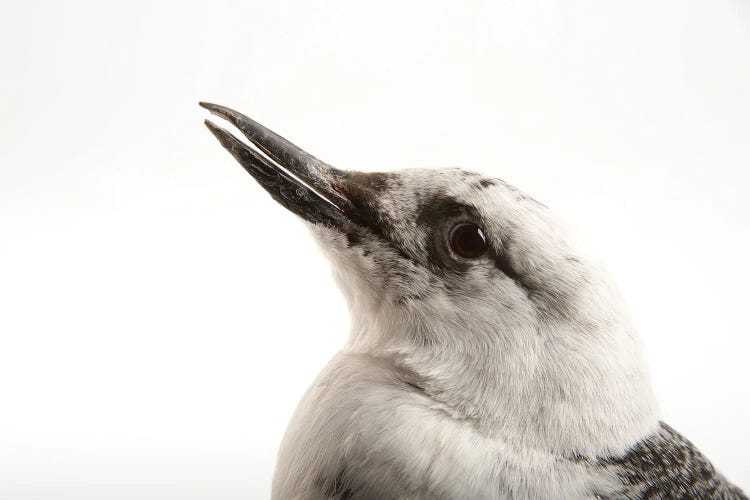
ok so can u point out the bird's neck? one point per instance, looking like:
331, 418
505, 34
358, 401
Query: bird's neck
568, 391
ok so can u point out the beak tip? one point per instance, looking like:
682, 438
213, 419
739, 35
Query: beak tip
217, 132
213, 108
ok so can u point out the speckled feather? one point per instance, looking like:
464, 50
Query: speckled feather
666, 465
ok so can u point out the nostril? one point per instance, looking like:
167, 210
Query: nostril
341, 190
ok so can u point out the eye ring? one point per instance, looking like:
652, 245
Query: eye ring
467, 240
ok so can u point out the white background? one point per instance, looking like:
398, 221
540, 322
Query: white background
160, 315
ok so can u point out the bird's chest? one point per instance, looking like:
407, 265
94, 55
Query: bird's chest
362, 433
449, 460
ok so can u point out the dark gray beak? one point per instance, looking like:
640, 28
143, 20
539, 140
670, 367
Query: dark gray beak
296, 179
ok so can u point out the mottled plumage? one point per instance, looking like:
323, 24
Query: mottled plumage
502, 365
666, 465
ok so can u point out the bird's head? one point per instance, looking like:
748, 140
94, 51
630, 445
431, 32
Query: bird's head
471, 288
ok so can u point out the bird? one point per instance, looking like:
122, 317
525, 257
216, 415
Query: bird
489, 357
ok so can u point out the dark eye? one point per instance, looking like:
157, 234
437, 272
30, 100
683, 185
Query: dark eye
468, 240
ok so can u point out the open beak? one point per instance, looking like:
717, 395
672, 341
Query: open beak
296, 179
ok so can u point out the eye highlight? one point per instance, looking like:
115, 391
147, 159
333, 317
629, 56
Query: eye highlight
467, 240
